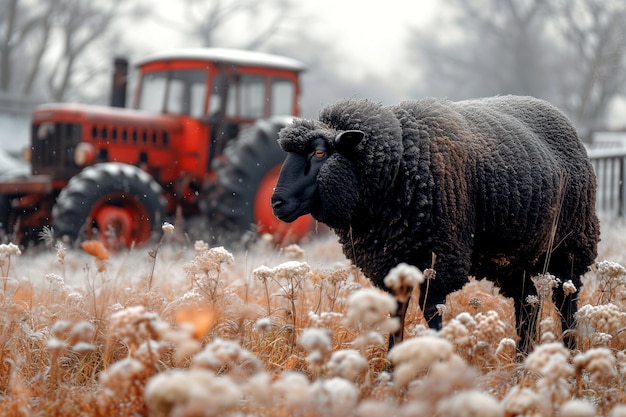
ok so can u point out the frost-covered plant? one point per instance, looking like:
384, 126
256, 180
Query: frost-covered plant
330, 282
192, 392
610, 278
369, 310
413, 356
135, 324
601, 323
334, 397
318, 343
599, 363
551, 362
205, 269
348, 364
402, 279
7, 251
472, 403
290, 277
476, 337
227, 356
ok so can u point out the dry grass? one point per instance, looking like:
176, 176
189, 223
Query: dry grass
188, 330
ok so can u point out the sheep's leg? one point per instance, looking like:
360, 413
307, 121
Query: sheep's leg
432, 315
398, 336
568, 305
526, 321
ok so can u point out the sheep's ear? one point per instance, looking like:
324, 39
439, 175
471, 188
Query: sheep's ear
346, 141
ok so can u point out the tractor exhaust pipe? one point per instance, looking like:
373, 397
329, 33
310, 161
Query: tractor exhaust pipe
118, 90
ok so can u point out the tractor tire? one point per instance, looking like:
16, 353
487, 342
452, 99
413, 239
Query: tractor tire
119, 204
239, 204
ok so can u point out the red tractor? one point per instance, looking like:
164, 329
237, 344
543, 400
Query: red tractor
200, 141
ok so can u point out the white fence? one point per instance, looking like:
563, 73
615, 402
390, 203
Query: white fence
609, 166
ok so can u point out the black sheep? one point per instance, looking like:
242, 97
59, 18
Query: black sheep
500, 188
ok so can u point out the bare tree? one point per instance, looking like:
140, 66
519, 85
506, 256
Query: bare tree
595, 56
569, 52
24, 32
247, 24
42, 42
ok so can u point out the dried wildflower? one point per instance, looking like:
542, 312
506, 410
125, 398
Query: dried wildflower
605, 318
475, 303
456, 332
55, 280
293, 391
418, 354
348, 364
532, 300
334, 397
258, 389
263, 325
506, 349
610, 276
569, 288
545, 283
167, 227
293, 251
200, 246
471, 403
429, 273
134, 324
263, 273
221, 355
551, 362
577, 408
60, 252
522, 401
371, 308
189, 392
9, 249
120, 377
402, 279
441, 309
489, 327
618, 411
317, 342
599, 362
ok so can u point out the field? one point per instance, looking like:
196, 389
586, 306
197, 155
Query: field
181, 329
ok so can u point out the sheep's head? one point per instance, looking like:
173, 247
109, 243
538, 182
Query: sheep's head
313, 174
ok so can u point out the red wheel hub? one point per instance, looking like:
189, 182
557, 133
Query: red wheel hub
120, 220
284, 233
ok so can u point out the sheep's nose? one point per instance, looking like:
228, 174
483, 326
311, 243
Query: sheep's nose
277, 202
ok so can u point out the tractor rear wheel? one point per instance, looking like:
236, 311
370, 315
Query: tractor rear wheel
119, 204
246, 176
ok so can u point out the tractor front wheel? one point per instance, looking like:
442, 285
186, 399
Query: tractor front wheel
119, 204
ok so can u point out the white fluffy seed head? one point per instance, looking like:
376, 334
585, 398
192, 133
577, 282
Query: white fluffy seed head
469, 404
418, 354
403, 276
370, 307
577, 408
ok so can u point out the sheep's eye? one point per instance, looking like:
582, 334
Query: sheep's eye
319, 153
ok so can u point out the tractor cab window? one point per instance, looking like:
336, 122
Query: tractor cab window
282, 95
152, 92
177, 92
246, 98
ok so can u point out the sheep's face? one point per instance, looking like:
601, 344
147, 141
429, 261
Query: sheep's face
311, 177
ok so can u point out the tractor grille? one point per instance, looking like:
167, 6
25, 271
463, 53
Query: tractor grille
53, 149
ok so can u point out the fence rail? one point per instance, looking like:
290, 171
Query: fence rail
609, 167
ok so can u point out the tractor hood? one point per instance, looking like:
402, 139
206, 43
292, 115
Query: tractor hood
103, 115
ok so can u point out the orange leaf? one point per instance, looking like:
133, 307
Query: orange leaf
96, 249
202, 319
